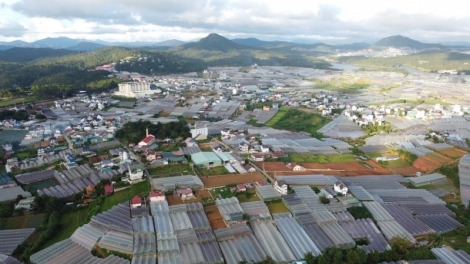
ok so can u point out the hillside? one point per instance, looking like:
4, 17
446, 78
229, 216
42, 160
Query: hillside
29, 54
401, 42
86, 46
427, 61
216, 50
213, 42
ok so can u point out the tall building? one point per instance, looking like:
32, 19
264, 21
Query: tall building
136, 89
464, 175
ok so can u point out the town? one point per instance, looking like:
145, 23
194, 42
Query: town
263, 164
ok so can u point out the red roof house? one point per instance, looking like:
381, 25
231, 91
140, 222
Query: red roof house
108, 189
157, 196
241, 187
187, 193
136, 202
147, 141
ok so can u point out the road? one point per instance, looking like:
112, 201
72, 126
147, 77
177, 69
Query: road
68, 141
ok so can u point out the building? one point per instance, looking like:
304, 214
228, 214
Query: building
136, 172
187, 194
147, 141
249, 168
206, 159
264, 148
25, 203
108, 189
230, 210
157, 196
340, 187
199, 131
428, 179
136, 89
281, 187
295, 167
241, 187
136, 202
387, 158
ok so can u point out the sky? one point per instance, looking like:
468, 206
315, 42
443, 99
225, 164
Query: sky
330, 21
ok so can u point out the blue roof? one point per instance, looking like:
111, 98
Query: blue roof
4, 178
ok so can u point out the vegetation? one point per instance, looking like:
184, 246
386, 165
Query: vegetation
170, 170
298, 120
452, 172
427, 61
360, 212
307, 157
280, 114
407, 156
136, 131
12, 114
341, 85
219, 170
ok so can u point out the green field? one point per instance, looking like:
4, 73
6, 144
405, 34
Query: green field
69, 223
280, 114
395, 164
170, 170
212, 171
306, 157
297, 120
14, 101
276, 208
341, 85
141, 189
247, 196
26, 221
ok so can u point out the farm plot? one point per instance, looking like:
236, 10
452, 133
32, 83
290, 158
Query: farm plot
280, 114
231, 179
26, 221
453, 153
214, 216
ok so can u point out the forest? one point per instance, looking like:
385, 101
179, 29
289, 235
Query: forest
133, 132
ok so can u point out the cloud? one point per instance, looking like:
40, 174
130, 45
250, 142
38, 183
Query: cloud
265, 19
11, 29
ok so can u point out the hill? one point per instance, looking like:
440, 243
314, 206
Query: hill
86, 46
427, 61
401, 42
30, 54
55, 43
213, 42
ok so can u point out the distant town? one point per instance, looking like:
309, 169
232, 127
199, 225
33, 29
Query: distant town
254, 164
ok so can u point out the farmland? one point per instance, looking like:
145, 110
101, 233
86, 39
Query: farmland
230, 179
306, 157
279, 115
214, 216
26, 221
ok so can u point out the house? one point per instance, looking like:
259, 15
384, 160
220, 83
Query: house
157, 196
25, 203
249, 168
241, 188
107, 164
147, 141
295, 167
225, 132
257, 157
281, 187
151, 156
108, 189
90, 189
243, 147
339, 187
264, 148
190, 142
186, 193
199, 131
266, 108
135, 172
136, 202
388, 158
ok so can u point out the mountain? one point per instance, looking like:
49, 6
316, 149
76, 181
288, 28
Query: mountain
86, 46
30, 54
169, 43
354, 46
401, 42
213, 42
55, 43
254, 42
322, 47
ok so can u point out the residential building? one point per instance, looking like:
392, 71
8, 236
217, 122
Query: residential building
264, 148
147, 141
340, 187
136, 202
281, 187
249, 168
136, 89
187, 194
136, 172
199, 131
241, 187
243, 147
157, 196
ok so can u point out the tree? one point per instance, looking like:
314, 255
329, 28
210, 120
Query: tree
400, 246
356, 256
324, 200
310, 258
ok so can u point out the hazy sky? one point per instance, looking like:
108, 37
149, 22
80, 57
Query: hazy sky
332, 21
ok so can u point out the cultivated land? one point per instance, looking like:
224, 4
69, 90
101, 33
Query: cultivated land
337, 158
26, 221
231, 179
214, 216
278, 116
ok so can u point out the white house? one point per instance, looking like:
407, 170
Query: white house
187, 194
225, 132
243, 147
264, 148
281, 186
135, 172
339, 187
